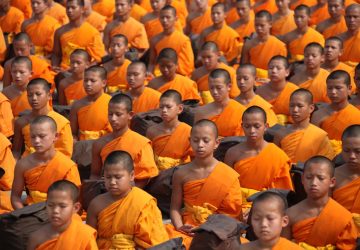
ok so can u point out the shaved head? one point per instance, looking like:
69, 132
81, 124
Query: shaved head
271, 197
210, 46
249, 66
254, 110
351, 131
206, 123
45, 119
305, 93
320, 160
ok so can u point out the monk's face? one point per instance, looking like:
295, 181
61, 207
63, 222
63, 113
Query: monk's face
243, 9
332, 50
219, 89
351, 152
300, 109
337, 90
42, 137
245, 79
20, 74
135, 76
93, 84
313, 58
335, 8
277, 71
357, 79
119, 117
301, 18
254, 126
262, 26
74, 10
22, 48
169, 109
78, 64
122, 7
352, 18
203, 141
167, 68
38, 6
210, 59
218, 15
37, 96
167, 19
118, 180
282, 4
317, 181
157, 5
118, 47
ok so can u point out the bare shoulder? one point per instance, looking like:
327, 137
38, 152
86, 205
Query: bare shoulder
319, 115
147, 17
155, 83
64, 83
247, 246
78, 104
102, 141
192, 16
153, 131
99, 203
39, 236
156, 39
198, 73
294, 211
22, 121
207, 31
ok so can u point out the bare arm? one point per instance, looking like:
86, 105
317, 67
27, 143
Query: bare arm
229, 159
18, 139
61, 93
106, 36
56, 55
96, 161
74, 121
91, 217
7, 74
17, 187
245, 58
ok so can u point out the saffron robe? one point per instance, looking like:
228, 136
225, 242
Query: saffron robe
24, 6
97, 20
317, 86
6, 117
281, 103
267, 107
116, 79
11, 22
148, 100
201, 22
105, 8
348, 196
283, 25
335, 29
19, 104
351, 53
137, 12
246, 29
58, 12
153, 27
75, 91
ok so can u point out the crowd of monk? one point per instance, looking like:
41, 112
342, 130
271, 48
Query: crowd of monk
285, 69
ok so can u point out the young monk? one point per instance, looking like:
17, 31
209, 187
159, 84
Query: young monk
310, 75
226, 113
122, 138
319, 221
65, 229
71, 88
11, 18
170, 138
126, 216
144, 98
198, 20
41, 28
66, 38
37, 171
169, 79
210, 58
89, 116
94, 18
174, 39
245, 77
355, 99
283, 19
116, 68
38, 95
57, 11
268, 218
262, 43
225, 37
126, 25
297, 39
205, 185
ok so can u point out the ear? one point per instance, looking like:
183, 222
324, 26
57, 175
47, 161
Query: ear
332, 182
132, 176
285, 221
76, 207
180, 108
266, 126
131, 114
56, 137
287, 72
104, 82
217, 142
312, 108
322, 59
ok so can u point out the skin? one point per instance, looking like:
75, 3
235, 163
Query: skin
355, 100
136, 76
245, 81
332, 52
168, 70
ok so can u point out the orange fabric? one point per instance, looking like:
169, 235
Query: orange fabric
11, 22
117, 77
317, 86
97, 20
265, 5
153, 27
6, 117
19, 104
77, 236
199, 23
140, 150
281, 103
267, 107
335, 29
137, 12
283, 25
246, 29
58, 12
136, 215
269, 169
42, 69
181, 11
333, 226
64, 142
283, 244
352, 49
148, 100
296, 3
319, 15
2, 49
24, 6
105, 8
75, 91
146, 5
351, 71
348, 196
232, 16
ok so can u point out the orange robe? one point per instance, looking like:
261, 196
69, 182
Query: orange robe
11, 22
6, 117
182, 45
281, 103
116, 79
303, 144
90, 128
351, 71
172, 149
105, 8
39, 178
245, 30
77, 236
148, 100
153, 27
24, 6
58, 12
2, 50
317, 86
133, 221
137, 12
296, 3
319, 15
269, 169
146, 5
90, 41
140, 150
283, 25
181, 11
232, 15
75, 91
19, 104
335, 29
348, 196
283, 244
351, 53
97, 20
199, 23
267, 107
266, 5
64, 142
334, 226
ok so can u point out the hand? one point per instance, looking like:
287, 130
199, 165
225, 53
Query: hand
186, 229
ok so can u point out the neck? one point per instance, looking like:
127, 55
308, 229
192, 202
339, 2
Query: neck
284, 12
339, 106
39, 16
278, 86
169, 31
136, 92
303, 30
353, 32
170, 78
204, 162
256, 145
62, 228
353, 171
223, 103
318, 203
218, 26
268, 244
45, 156
313, 72
20, 88
118, 61
120, 132
171, 124
77, 76
301, 125
336, 19
247, 96
331, 64
264, 38
96, 96
123, 18
78, 22
42, 111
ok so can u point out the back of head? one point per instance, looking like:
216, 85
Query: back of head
22, 36
168, 54
40, 81
351, 131
316, 46
206, 123
121, 36
221, 73
173, 94
122, 99
45, 119
340, 75
98, 69
283, 59
335, 39
318, 159
264, 14
120, 157
83, 53
305, 93
169, 7
272, 197
304, 7
249, 66
22, 60
255, 110
66, 186
212, 46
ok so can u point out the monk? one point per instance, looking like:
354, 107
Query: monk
262, 43
37, 171
310, 75
125, 217
97, 20
116, 68
335, 24
57, 11
126, 25
205, 185
269, 205
169, 79
66, 38
198, 20
210, 58
226, 113
297, 39
24, 6
11, 19
89, 116
105, 8
174, 39
41, 28
6, 117
283, 19
355, 99
245, 76
65, 229
71, 88
144, 98
122, 138
38, 95
170, 138
310, 224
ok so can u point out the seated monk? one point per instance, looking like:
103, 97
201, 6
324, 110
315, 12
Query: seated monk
71, 88
319, 12
297, 39
262, 43
198, 20
226, 113
310, 75
170, 138
41, 29
11, 19
269, 205
283, 20
116, 68
144, 98
301, 139
97, 20
89, 116
318, 221
210, 58
6, 117
335, 24
355, 99
261, 165
174, 39
57, 11
37, 171
226, 38
105, 8
205, 185
66, 38
73, 234
336, 116
124, 24
122, 138
38, 95
24, 6
143, 227
245, 77
168, 63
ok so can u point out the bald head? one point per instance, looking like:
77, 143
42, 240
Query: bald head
351, 131
221, 73
248, 66
138, 64
308, 97
254, 110
210, 46
44, 119
206, 123
271, 197
320, 160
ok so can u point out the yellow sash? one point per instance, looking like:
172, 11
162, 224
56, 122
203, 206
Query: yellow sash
91, 135
200, 213
295, 58
69, 48
36, 197
356, 218
164, 163
206, 97
282, 119
337, 146
123, 242
308, 247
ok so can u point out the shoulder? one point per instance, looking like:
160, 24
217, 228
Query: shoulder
39, 236
275, 150
22, 121
60, 120
60, 31
153, 131
78, 104
198, 73
99, 203
102, 141
207, 31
